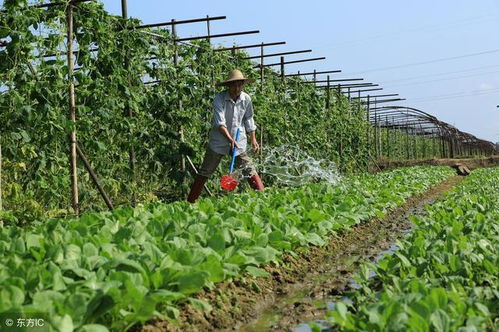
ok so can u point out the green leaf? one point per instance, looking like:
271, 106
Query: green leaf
483, 308
192, 282
18, 245
256, 272
11, 297
47, 298
420, 309
403, 259
341, 309
72, 252
93, 328
315, 215
63, 324
122, 264
214, 267
98, 305
200, 304
217, 242
33, 241
315, 239
90, 250
440, 321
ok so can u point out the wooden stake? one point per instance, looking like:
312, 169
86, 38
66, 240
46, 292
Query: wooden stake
1, 177
328, 94
131, 153
261, 68
175, 63
124, 10
376, 151
94, 178
72, 111
282, 68
212, 69
261, 144
368, 123
196, 171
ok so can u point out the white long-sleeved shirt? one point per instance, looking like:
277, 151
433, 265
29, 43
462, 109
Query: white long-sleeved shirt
233, 115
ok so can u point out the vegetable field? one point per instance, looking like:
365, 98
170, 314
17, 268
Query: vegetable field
123, 267
444, 277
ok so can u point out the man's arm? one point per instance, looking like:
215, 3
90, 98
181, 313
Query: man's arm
249, 124
219, 121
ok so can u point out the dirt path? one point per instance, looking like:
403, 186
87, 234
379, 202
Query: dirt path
299, 289
472, 163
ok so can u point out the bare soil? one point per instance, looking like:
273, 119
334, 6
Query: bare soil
297, 290
471, 163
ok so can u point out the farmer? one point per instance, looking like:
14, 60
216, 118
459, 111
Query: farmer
232, 109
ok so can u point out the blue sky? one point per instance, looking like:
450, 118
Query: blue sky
366, 38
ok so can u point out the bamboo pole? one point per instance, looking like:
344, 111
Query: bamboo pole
368, 136
261, 68
407, 143
196, 171
423, 147
94, 178
72, 110
282, 68
124, 9
261, 144
208, 39
208, 28
175, 63
328, 93
376, 150
131, 153
1, 206
388, 140
415, 143
380, 137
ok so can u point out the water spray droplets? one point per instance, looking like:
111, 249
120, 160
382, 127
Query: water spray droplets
291, 167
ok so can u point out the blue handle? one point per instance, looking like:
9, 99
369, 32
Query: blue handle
234, 153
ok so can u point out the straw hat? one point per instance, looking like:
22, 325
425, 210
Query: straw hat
235, 75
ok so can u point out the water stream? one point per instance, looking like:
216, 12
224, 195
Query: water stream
289, 166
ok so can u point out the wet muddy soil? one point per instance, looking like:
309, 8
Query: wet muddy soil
301, 287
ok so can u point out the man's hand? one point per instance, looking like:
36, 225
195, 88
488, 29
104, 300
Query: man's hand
232, 143
254, 142
256, 146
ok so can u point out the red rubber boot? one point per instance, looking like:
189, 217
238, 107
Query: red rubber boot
197, 188
256, 183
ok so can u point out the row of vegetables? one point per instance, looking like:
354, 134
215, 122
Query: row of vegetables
117, 269
444, 277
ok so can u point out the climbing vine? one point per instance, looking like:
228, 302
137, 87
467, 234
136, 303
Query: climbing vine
112, 63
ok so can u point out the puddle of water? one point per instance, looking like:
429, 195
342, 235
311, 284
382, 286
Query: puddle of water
345, 299
264, 323
305, 327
